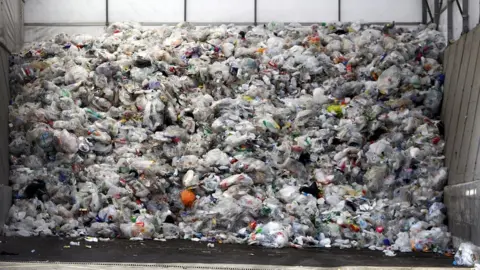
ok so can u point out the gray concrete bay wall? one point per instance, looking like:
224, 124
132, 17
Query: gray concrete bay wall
5, 190
461, 116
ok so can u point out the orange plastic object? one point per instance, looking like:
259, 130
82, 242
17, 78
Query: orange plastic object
188, 197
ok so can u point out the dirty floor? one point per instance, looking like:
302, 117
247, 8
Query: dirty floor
52, 249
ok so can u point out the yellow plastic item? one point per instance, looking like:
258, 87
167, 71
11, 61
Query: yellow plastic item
261, 50
247, 98
337, 109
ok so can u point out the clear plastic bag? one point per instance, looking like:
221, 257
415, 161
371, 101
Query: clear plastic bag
75, 74
66, 142
389, 81
467, 255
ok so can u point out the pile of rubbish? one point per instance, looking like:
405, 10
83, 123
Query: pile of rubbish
275, 135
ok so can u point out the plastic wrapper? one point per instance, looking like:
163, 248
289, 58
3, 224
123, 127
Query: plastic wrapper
389, 80
467, 255
271, 235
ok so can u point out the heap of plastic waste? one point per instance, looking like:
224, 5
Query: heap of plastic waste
276, 135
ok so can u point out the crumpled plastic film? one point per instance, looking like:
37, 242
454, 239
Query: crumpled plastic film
467, 255
276, 135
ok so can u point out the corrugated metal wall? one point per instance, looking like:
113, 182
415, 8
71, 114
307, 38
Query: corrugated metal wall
461, 115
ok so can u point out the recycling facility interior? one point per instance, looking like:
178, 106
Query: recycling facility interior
31, 20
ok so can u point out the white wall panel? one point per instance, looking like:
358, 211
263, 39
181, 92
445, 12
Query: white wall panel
457, 26
382, 11
235, 11
38, 33
57, 11
442, 25
11, 24
474, 13
473, 17
297, 10
220, 11
146, 10
457, 22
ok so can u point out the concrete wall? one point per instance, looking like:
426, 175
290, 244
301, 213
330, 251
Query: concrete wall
5, 190
461, 115
11, 40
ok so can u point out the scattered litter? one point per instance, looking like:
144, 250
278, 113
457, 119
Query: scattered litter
136, 239
389, 253
91, 239
74, 243
211, 245
160, 239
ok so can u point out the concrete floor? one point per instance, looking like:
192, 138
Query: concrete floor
179, 254
49, 266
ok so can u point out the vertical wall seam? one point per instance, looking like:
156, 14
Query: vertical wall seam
255, 6
340, 10
107, 23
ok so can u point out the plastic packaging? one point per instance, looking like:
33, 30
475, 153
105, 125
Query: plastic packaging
467, 255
